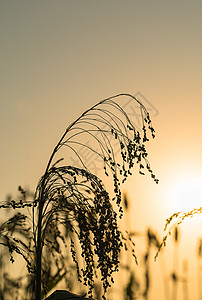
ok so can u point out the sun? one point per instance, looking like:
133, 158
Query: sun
185, 193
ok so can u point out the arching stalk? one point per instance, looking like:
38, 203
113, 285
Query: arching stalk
131, 149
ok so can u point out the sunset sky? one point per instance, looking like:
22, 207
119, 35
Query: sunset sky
58, 58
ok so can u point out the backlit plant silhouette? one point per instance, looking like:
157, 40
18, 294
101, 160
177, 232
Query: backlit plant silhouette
71, 201
174, 221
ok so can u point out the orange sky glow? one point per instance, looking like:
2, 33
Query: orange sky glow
58, 58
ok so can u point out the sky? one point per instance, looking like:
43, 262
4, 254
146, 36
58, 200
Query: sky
58, 58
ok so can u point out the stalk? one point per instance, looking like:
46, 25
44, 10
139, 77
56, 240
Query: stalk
41, 200
39, 242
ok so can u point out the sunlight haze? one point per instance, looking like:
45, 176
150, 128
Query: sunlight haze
58, 58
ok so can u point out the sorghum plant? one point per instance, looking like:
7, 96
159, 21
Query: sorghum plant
72, 201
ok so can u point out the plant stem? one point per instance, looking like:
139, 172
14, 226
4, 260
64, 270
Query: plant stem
39, 242
41, 200
38, 257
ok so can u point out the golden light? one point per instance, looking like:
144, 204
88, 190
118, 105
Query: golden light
185, 193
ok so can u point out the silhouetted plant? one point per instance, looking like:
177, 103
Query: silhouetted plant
136, 288
175, 220
14, 234
70, 201
171, 225
152, 240
175, 273
132, 288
